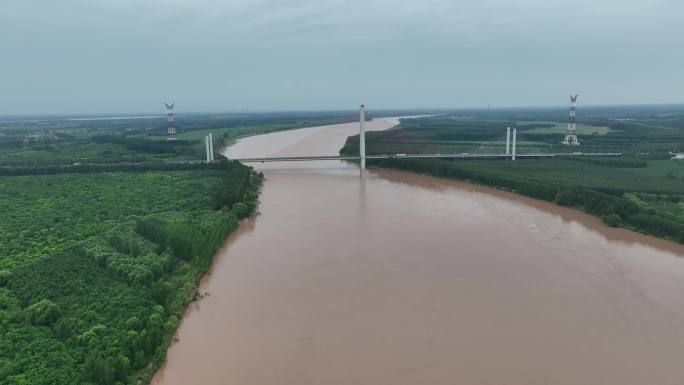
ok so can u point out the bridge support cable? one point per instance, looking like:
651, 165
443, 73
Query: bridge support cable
192, 153
497, 145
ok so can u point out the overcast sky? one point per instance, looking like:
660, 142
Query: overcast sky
97, 56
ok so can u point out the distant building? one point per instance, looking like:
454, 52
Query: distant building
31, 138
38, 137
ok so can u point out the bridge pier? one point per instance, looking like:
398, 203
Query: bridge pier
206, 148
362, 136
211, 147
508, 140
515, 140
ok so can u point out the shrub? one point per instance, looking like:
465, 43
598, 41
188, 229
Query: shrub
4, 277
179, 237
612, 220
241, 210
7, 300
43, 313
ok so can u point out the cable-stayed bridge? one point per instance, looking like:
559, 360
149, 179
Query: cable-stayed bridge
504, 146
423, 156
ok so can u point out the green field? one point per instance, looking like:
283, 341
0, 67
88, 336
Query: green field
559, 128
230, 133
74, 153
96, 269
671, 170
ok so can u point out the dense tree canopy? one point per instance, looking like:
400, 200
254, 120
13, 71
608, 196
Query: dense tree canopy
96, 268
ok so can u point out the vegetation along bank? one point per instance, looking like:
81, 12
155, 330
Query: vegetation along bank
96, 268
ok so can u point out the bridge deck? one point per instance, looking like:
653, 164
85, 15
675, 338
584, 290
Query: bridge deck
420, 156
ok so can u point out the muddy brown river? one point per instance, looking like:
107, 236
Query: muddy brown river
391, 278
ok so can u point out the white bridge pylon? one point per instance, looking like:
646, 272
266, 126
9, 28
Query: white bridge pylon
362, 136
209, 147
515, 142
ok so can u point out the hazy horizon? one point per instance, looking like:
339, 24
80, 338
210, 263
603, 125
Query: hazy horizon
179, 112
69, 57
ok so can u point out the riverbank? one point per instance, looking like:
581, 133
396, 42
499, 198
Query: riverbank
616, 205
236, 200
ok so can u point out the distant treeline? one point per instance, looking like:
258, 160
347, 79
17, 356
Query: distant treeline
145, 145
111, 167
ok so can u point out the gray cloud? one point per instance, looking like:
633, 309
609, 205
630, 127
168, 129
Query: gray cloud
129, 55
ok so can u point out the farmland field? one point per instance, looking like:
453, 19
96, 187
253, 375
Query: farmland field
560, 127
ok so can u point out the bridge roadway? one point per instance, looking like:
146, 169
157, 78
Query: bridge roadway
420, 156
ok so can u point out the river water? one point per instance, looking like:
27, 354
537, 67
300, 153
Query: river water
401, 279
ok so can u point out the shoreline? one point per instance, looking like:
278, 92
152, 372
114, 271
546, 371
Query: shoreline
622, 224
148, 374
570, 213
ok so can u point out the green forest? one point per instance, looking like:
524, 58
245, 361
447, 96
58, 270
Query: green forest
97, 267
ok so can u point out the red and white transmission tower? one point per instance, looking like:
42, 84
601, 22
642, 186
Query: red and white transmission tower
571, 132
171, 128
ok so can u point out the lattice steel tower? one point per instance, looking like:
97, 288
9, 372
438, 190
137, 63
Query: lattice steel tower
171, 127
571, 132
